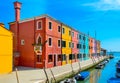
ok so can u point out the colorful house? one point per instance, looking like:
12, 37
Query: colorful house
43, 41
75, 41
81, 45
66, 44
90, 46
86, 54
98, 48
6, 50
94, 47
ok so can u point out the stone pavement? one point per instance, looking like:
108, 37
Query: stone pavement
31, 75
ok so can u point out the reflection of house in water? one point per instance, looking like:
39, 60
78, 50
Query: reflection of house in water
94, 76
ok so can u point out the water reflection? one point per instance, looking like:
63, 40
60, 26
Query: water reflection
102, 75
94, 76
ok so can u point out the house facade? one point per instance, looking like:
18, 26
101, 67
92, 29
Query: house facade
6, 50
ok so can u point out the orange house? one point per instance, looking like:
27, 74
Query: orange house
90, 47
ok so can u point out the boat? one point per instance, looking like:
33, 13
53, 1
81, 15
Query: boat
113, 80
82, 76
69, 80
111, 56
99, 66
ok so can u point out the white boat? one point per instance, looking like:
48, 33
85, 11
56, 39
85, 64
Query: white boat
70, 80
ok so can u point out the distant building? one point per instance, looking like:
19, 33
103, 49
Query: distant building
6, 50
91, 46
98, 48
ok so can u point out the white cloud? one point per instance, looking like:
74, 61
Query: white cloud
105, 5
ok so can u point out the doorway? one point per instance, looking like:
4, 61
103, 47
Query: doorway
55, 60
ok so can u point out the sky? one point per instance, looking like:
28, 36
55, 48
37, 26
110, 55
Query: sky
88, 16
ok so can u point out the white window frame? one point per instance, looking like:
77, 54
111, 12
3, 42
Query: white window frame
38, 37
22, 42
37, 25
72, 34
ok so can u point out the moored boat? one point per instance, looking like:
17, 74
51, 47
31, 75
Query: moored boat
99, 66
69, 80
82, 75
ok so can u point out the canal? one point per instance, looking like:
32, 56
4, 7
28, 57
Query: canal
102, 75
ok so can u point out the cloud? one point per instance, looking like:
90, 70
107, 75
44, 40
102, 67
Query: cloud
105, 5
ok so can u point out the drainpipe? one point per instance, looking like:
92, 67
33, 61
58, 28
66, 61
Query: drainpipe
34, 42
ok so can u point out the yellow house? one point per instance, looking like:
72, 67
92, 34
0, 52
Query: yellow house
66, 43
6, 50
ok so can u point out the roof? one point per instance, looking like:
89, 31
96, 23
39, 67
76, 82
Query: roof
6, 29
47, 16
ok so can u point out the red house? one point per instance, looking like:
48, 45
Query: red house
42, 30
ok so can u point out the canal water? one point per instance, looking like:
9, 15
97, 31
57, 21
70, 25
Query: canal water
102, 75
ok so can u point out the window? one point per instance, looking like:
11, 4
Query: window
59, 43
69, 44
63, 57
39, 58
63, 30
84, 46
84, 55
73, 56
70, 56
39, 25
50, 42
50, 58
22, 42
79, 36
59, 28
50, 25
72, 34
89, 47
69, 33
79, 46
79, 56
59, 57
84, 38
63, 43
72, 45
39, 40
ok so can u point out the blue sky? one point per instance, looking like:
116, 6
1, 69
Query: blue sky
102, 16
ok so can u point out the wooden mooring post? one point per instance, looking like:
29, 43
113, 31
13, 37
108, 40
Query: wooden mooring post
53, 75
17, 75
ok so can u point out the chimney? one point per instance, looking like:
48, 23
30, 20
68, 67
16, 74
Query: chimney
17, 6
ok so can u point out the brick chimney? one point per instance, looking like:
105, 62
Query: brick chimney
17, 6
